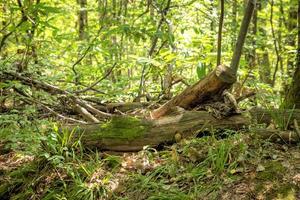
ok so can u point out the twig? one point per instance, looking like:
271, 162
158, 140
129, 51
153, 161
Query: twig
24, 18
54, 90
88, 49
26, 98
63, 117
96, 82
92, 109
163, 13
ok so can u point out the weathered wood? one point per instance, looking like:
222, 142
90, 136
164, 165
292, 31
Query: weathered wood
208, 89
123, 106
52, 90
85, 114
277, 135
284, 116
124, 133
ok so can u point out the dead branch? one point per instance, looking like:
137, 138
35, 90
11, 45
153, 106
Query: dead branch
52, 90
85, 114
96, 82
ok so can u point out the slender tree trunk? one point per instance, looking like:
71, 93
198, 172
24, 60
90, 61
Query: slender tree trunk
82, 34
242, 35
168, 77
281, 21
155, 38
278, 58
291, 25
82, 20
234, 21
264, 67
220, 33
251, 54
263, 60
293, 96
254, 32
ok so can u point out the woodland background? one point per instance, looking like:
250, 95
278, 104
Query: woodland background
68, 62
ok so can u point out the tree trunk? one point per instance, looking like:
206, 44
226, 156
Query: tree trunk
293, 96
242, 35
284, 116
234, 21
208, 89
278, 57
277, 135
291, 25
264, 67
220, 33
82, 20
119, 135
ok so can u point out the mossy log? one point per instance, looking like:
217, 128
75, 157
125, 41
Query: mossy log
125, 133
209, 89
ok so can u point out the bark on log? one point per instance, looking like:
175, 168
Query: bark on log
283, 116
124, 133
123, 106
277, 135
208, 89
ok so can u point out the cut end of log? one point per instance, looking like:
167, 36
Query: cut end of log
211, 87
225, 74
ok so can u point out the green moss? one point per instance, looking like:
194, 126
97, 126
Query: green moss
285, 191
119, 127
273, 171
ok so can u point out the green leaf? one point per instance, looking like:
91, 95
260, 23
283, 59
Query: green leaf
201, 70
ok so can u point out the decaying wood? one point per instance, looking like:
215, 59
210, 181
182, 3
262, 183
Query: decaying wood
277, 135
124, 106
54, 90
283, 116
112, 135
85, 114
66, 119
208, 89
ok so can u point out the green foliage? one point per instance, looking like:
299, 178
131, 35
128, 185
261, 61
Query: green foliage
42, 40
19, 133
201, 70
60, 147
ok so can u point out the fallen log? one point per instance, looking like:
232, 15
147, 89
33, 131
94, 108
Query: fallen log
275, 135
125, 133
285, 117
209, 89
123, 106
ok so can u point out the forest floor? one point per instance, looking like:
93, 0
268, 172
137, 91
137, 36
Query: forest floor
236, 165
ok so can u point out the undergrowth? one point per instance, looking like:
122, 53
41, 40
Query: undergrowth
63, 169
195, 168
